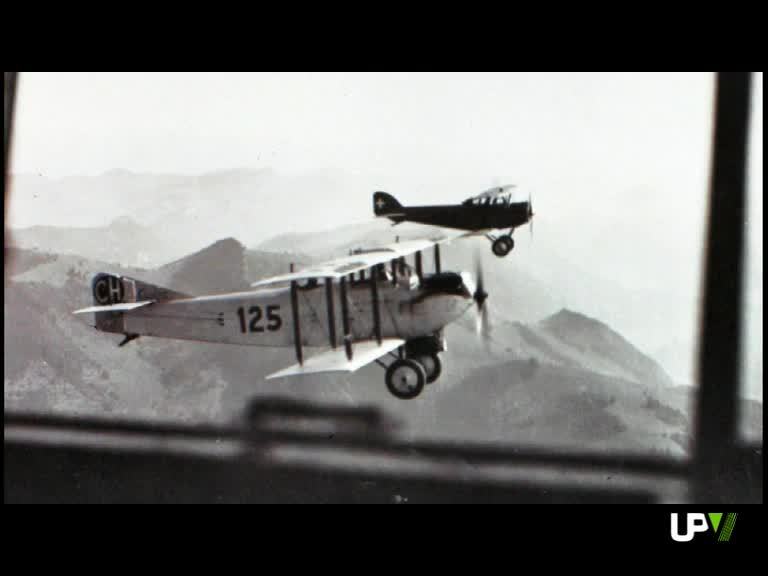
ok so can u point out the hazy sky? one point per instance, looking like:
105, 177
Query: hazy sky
618, 163
425, 126
615, 161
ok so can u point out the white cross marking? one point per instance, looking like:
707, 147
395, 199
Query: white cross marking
380, 203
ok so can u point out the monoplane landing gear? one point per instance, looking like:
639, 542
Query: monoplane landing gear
405, 378
502, 245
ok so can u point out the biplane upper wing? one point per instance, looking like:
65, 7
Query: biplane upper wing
336, 360
363, 260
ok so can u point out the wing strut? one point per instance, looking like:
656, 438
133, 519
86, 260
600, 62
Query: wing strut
345, 319
375, 305
331, 311
419, 270
437, 258
296, 322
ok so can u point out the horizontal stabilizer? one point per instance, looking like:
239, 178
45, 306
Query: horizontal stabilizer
336, 360
123, 307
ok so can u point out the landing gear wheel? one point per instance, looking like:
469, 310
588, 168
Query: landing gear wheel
433, 367
405, 378
503, 245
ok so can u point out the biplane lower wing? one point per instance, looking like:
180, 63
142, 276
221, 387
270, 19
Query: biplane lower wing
336, 360
122, 307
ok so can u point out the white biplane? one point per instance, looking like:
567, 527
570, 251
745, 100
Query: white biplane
360, 308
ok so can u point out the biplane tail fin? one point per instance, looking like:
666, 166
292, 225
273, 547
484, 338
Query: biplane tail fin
113, 296
387, 205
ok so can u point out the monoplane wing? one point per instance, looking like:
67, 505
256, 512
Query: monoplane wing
495, 192
336, 360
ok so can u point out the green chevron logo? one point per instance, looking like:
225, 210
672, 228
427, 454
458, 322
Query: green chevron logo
730, 521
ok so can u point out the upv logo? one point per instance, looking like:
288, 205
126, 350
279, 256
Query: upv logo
697, 522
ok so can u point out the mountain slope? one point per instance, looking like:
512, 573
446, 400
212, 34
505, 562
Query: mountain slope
602, 349
216, 269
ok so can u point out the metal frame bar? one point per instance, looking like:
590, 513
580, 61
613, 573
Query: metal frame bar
9, 102
717, 411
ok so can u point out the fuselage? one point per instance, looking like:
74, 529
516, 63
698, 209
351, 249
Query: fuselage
466, 216
265, 317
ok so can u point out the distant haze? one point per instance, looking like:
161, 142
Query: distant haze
618, 165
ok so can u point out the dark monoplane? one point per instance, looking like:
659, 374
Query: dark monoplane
485, 213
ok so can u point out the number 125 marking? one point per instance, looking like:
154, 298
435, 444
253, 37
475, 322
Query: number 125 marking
274, 322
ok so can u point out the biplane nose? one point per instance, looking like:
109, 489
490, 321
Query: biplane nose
449, 283
469, 284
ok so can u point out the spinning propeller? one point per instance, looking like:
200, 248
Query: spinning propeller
530, 213
480, 296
